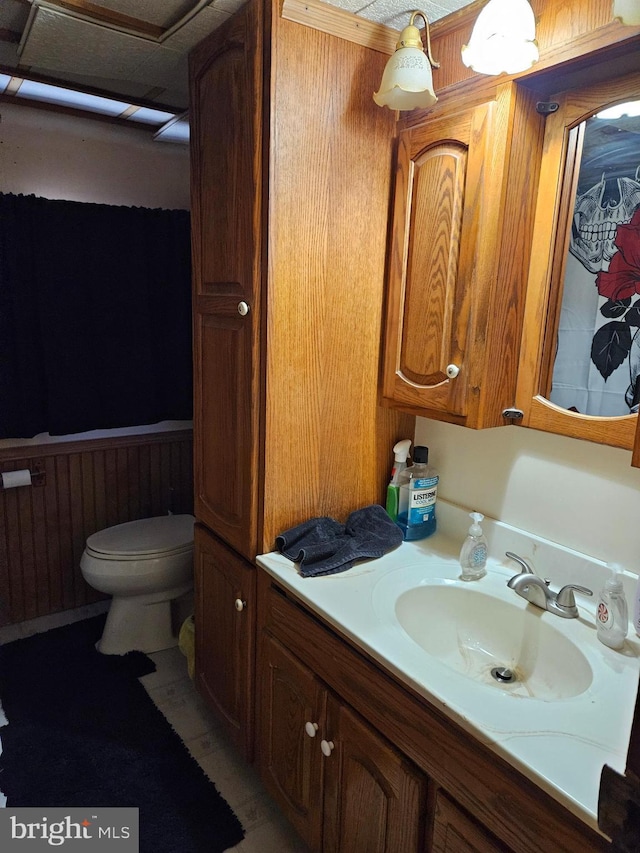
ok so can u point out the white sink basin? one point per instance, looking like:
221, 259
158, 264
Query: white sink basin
474, 634
441, 637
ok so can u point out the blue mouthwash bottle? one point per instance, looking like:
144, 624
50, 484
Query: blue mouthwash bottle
417, 499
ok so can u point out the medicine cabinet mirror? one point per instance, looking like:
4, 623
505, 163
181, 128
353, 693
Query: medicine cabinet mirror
580, 366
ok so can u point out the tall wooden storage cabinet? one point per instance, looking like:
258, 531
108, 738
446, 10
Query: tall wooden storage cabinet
290, 166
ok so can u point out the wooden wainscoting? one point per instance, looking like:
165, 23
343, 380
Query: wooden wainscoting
86, 486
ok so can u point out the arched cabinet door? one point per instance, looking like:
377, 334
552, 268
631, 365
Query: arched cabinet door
452, 321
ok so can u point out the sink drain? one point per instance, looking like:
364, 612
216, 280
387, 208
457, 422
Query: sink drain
503, 674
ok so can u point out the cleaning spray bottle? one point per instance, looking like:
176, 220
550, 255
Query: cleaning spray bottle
401, 451
473, 554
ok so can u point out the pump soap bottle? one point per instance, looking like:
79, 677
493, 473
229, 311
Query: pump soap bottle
473, 554
612, 618
401, 451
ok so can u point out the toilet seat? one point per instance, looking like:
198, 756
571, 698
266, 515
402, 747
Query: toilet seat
126, 558
146, 538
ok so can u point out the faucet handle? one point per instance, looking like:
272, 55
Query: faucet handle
565, 596
525, 566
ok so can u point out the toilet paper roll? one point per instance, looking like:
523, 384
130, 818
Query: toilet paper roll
11, 479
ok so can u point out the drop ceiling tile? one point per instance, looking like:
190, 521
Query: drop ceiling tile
352, 6
13, 15
229, 6
162, 67
196, 29
8, 54
396, 16
159, 12
166, 69
63, 44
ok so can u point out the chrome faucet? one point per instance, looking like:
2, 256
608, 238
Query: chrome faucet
536, 591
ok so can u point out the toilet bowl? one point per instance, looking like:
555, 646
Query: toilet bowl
145, 565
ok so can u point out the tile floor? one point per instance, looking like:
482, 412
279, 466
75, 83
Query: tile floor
170, 687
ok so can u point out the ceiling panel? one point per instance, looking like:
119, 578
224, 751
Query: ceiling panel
66, 48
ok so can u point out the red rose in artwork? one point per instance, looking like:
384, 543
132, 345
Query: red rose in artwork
622, 279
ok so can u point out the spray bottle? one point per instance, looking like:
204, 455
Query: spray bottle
401, 451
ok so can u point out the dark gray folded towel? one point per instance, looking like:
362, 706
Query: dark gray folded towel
323, 546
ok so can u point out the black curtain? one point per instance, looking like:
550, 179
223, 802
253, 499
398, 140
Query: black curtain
95, 316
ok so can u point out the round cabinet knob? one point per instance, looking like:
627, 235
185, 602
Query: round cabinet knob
452, 371
311, 729
327, 747
243, 308
240, 604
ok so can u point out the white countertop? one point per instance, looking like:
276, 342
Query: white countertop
560, 744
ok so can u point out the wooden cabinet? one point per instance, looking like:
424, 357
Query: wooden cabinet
327, 768
455, 832
225, 635
456, 278
405, 777
288, 284
292, 708
226, 117
288, 279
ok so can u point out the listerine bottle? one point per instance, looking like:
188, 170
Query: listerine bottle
417, 499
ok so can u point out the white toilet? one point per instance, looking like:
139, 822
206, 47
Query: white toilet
146, 565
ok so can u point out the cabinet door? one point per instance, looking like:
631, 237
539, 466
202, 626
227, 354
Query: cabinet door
226, 213
436, 225
455, 832
375, 800
462, 218
225, 635
291, 717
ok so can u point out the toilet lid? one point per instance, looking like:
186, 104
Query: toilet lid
145, 537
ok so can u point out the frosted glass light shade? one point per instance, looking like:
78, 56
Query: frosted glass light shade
503, 40
407, 81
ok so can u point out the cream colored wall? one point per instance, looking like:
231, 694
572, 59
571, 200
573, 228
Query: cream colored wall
80, 159
575, 493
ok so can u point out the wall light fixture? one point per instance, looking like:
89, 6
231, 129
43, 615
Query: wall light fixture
407, 81
503, 40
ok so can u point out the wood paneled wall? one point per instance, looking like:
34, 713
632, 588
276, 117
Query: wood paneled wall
87, 486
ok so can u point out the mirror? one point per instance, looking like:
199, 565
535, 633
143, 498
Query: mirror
580, 360
596, 369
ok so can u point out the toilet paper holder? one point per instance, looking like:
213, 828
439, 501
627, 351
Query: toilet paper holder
38, 478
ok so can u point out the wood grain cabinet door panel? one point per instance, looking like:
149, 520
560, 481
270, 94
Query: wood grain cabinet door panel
225, 635
438, 195
455, 832
226, 157
463, 214
293, 703
375, 800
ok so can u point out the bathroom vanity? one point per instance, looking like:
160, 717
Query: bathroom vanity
399, 731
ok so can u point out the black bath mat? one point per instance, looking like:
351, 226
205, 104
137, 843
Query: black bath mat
83, 732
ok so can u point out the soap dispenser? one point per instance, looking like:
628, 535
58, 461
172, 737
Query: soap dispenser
473, 555
612, 618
